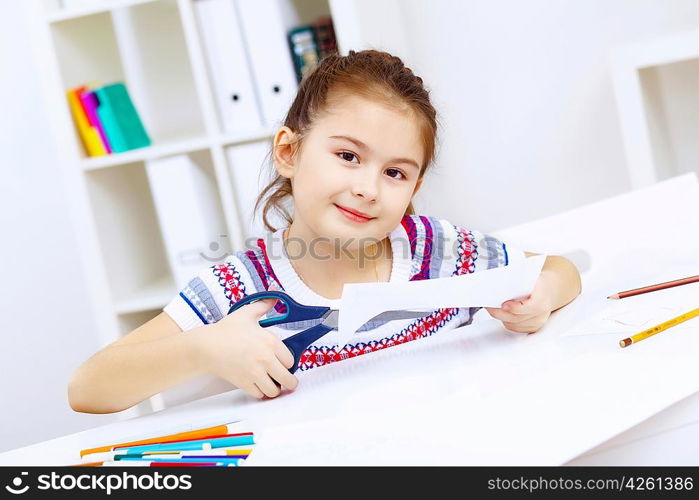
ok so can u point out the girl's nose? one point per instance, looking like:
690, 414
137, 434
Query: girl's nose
366, 185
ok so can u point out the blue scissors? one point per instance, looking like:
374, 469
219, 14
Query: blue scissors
295, 311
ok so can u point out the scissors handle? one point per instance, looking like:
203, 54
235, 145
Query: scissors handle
294, 310
300, 342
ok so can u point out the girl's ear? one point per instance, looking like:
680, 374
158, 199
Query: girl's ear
284, 152
417, 186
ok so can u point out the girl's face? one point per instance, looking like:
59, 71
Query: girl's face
359, 155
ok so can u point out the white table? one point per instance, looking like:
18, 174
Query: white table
479, 394
387, 399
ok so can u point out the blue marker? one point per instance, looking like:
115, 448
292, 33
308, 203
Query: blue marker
196, 444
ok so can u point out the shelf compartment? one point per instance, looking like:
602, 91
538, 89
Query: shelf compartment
127, 229
87, 53
188, 204
158, 70
671, 102
87, 50
655, 83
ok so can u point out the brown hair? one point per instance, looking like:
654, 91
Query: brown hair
372, 74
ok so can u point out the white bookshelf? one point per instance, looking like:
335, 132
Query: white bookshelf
156, 48
143, 43
656, 85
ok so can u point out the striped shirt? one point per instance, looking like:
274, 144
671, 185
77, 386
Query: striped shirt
423, 247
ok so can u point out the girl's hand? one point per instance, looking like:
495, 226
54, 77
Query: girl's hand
238, 349
530, 314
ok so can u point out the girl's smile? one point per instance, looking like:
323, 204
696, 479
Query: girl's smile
354, 215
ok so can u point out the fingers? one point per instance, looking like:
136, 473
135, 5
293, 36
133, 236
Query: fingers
519, 307
259, 307
254, 391
283, 354
273, 375
502, 315
517, 317
282, 375
268, 386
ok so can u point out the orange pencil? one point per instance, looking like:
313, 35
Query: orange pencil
653, 288
217, 430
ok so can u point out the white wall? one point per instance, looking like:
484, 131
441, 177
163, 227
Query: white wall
526, 98
529, 129
46, 327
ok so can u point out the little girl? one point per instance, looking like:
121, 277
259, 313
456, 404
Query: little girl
353, 151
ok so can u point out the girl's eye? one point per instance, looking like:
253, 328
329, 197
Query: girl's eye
345, 154
396, 170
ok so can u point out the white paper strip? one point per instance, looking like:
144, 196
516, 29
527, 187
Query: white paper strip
362, 301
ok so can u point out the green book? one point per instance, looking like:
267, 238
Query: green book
119, 118
304, 50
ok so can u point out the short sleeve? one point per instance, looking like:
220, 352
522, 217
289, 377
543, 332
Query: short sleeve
469, 250
492, 252
207, 297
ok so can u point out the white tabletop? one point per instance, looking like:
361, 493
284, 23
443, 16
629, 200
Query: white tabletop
475, 395
479, 395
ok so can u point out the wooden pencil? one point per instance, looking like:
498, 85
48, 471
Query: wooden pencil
653, 288
659, 328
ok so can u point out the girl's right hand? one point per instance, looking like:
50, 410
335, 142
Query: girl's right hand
238, 349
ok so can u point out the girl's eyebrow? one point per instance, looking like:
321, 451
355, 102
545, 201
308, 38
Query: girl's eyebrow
363, 146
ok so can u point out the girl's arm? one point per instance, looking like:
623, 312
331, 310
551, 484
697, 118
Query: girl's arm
158, 355
153, 357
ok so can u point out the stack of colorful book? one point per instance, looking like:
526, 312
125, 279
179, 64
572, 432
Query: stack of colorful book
106, 119
311, 43
217, 446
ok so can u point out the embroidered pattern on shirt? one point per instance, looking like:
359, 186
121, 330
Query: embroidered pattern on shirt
229, 278
263, 267
424, 327
198, 297
467, 252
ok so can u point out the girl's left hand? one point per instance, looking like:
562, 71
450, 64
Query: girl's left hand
530, 314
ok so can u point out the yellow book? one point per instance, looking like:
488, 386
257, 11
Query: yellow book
89, 134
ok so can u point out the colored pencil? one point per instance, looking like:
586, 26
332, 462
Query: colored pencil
659, 328
176, 463
217, 430
245, 437
173, 456
653, 288
232, 450
115, 454
109, 463
190, 453
192, 460
196, 444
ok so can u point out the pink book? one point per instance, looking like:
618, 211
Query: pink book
90, 102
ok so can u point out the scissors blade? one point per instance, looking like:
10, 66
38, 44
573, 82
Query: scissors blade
331, 318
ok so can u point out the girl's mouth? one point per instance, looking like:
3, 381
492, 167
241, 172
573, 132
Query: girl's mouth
352, 216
